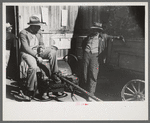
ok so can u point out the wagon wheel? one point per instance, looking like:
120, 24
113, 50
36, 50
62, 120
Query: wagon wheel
134, 90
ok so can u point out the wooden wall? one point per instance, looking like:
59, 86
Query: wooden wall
128, 21
117, 20
54, 26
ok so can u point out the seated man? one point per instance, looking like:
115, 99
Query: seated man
31, 39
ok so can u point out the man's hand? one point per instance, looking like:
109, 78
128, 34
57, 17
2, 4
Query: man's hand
122, 38
39, 60
40, 49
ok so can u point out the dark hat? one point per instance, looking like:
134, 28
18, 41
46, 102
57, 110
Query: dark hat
34, 20
97, 25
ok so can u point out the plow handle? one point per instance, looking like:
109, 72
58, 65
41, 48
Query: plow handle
79, 88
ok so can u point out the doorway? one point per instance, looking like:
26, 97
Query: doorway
12, 18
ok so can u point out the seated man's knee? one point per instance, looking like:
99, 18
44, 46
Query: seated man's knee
53, 52
33, 67
51, 55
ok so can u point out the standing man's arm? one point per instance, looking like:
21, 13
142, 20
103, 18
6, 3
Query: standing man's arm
115, 37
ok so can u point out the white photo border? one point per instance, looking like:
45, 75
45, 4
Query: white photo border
52, 111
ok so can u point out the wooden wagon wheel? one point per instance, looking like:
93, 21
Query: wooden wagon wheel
134, 90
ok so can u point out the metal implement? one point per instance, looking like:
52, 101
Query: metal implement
78, 88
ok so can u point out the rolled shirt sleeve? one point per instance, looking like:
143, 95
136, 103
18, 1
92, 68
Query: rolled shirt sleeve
108, 37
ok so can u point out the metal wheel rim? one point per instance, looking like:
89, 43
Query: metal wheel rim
134, 90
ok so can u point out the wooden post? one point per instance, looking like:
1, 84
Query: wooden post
17, 42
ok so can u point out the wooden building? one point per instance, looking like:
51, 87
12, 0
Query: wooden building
72, 24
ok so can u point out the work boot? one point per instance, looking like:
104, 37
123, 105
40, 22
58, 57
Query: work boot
27, 96
89, 99
22, 97
56, 79
59, 94
45, 96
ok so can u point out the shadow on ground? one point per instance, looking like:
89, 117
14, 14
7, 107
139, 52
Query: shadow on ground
109, 85
111, 82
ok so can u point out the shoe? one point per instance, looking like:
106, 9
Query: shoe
60, 94
56, 79
51, 95
44, 96
22, 97
89, 99
26, 98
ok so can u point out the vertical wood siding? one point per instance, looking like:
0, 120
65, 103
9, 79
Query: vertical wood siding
54, 23
118, 20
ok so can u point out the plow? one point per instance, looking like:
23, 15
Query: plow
69, 82
133, 90
78, 88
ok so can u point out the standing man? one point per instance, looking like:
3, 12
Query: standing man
31, 39
10, 40
10, 45
93, 46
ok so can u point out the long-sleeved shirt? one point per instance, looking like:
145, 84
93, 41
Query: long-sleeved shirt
26, 36
96, 43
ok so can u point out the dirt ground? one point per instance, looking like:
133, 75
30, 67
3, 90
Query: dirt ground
110, 83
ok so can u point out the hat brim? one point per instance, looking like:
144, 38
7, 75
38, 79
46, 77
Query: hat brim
94, 27
54, 47
39, 24
9, 26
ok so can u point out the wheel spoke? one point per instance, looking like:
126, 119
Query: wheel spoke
143, 91
130, 90
133, 87
128, 94
130, 99
143, 98
139, 85
134, 90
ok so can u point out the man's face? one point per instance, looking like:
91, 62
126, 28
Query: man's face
9, 29
35, 28
96, 30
